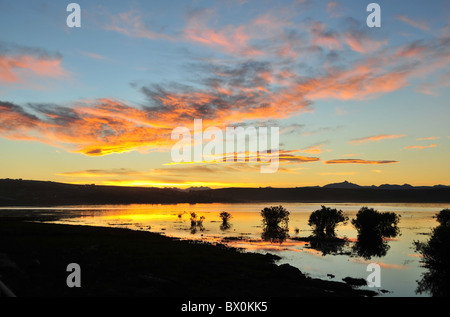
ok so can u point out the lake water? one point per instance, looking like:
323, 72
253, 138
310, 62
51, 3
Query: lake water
399, 263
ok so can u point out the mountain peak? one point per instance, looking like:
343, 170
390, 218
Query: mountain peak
344, 184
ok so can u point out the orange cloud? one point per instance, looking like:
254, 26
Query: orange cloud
284, 157
357, 161
315, 149
106, 126
429, 138
376, 138
347, 155
97, 130
420, 147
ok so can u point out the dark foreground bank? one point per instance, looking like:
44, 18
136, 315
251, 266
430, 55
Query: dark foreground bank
122, 262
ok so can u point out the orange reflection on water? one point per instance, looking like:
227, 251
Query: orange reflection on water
383, 265
256, 245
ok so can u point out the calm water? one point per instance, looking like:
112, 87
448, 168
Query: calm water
400, 265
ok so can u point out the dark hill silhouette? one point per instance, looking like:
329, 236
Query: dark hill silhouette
342, 185
44, 193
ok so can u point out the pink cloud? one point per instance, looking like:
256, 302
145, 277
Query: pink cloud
16, 69
416, 24
232, 39
363, 44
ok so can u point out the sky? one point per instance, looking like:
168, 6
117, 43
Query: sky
97, 104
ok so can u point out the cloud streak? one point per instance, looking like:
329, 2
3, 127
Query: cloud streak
419, 147
376, 138
421, 25
357, 161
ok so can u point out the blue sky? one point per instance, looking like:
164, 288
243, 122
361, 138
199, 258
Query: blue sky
313, 68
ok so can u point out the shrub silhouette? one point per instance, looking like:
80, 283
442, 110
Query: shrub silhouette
372, 227
325, 220
443, 217
196, 223
384, 224
436, 258
226, 216
275, 221
275, 216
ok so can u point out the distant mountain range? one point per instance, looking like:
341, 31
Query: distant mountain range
44, 193
346, 184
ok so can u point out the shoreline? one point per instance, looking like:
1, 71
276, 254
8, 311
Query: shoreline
46, 193
117, 262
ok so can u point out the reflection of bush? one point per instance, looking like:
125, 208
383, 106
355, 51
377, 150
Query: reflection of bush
325, 220
275, 234
369, 245
436, 258
372, 227
328, 245
275, 221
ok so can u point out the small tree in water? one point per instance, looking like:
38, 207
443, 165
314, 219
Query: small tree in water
275, 221
384, 224
196, 223
325, 220
225, 218
275, 216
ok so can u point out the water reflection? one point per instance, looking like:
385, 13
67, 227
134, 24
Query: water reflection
274, 234
314, 256
436, 259
370, 245
373, 227
328, 245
